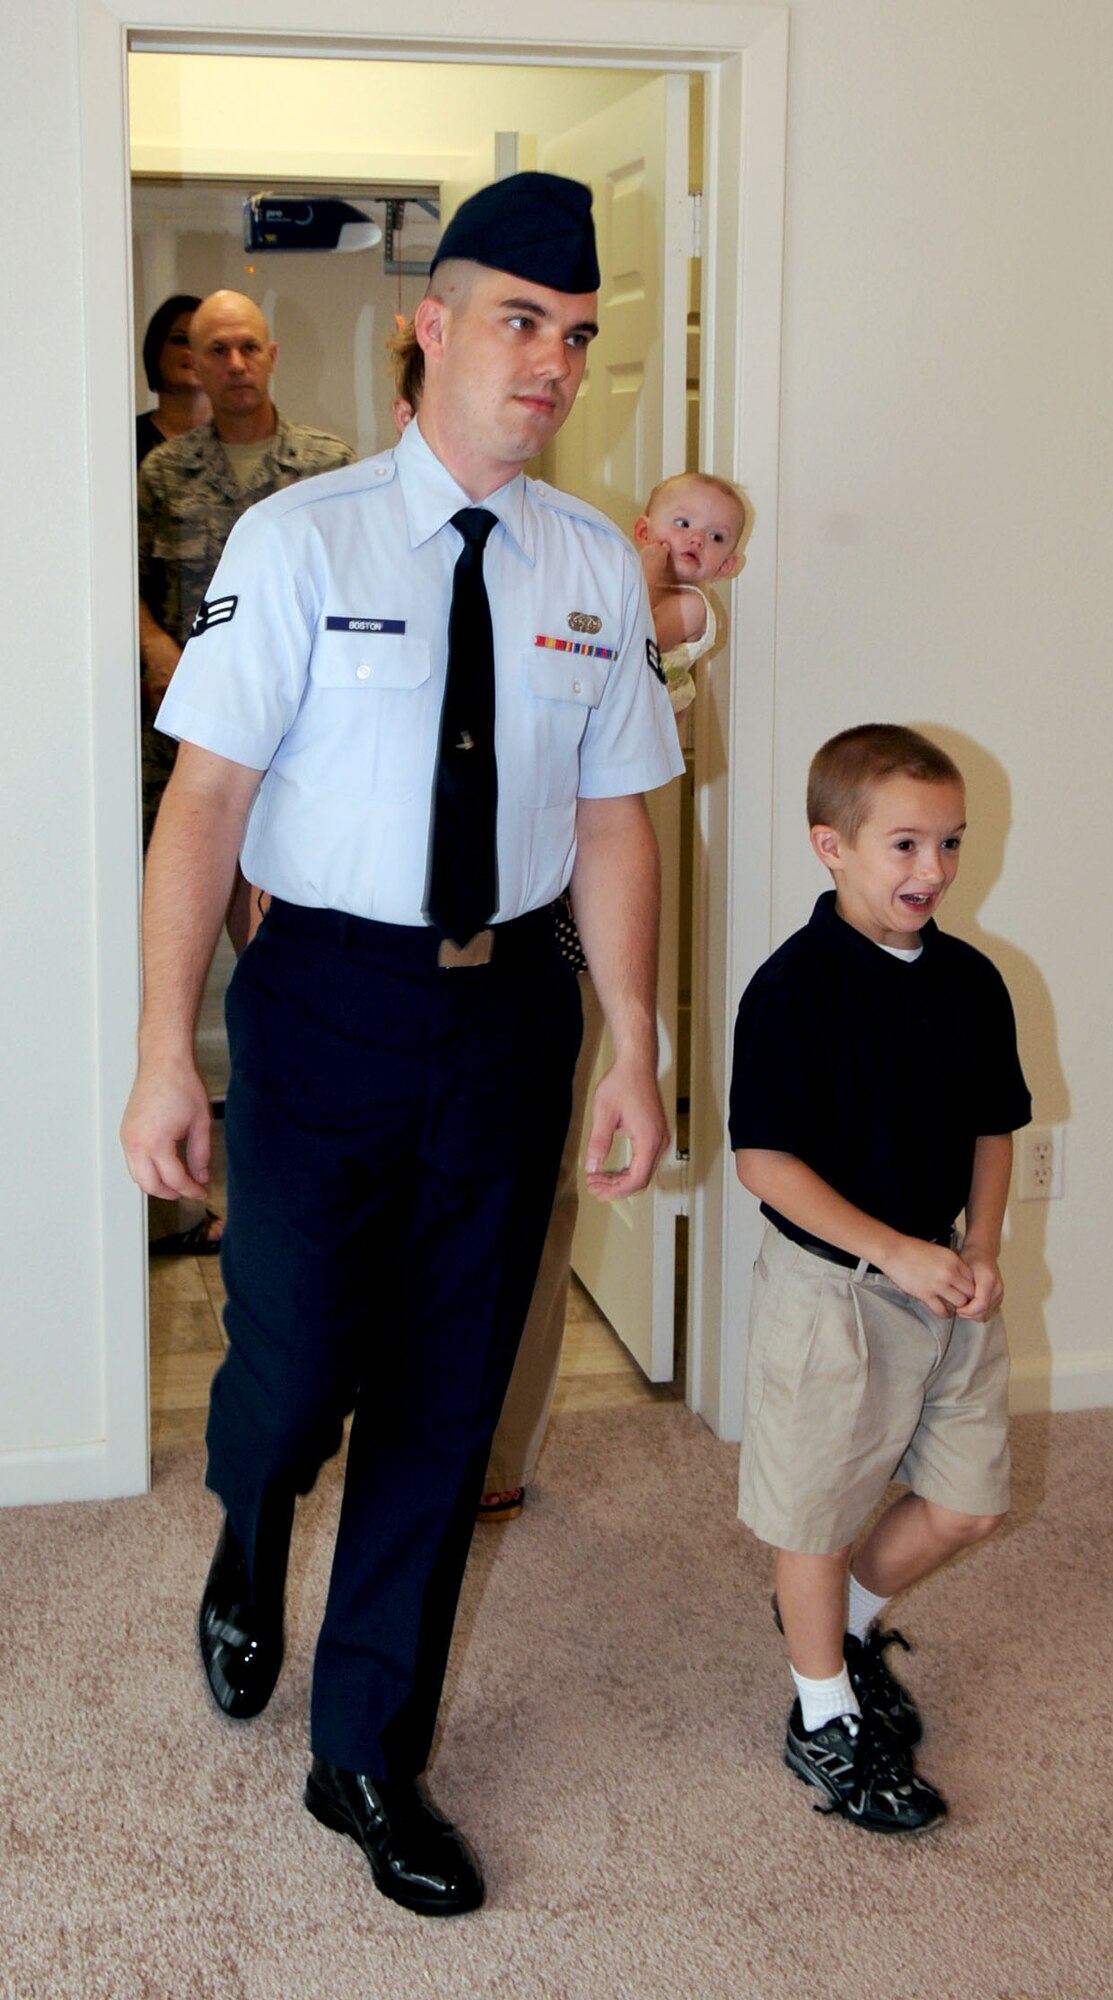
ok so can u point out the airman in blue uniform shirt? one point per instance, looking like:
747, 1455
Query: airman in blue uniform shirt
397, 1106
318, 664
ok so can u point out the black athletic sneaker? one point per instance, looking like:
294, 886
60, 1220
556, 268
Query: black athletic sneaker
876, 1687
866, 1775
879, 1690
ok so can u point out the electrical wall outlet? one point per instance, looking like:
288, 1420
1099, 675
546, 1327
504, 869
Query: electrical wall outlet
1040, 1176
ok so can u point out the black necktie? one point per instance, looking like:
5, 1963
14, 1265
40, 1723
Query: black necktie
463, 888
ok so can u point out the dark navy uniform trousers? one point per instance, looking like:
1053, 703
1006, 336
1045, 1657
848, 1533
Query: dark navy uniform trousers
393, 1133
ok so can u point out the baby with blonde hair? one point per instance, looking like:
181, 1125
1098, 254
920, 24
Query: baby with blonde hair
694, 530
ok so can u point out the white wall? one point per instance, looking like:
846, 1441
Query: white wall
51, 1359
944, 537
946, 521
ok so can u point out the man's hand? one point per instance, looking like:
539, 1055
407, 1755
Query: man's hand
168, 1106
191, 865
627, 1100
938, 1277
615, 897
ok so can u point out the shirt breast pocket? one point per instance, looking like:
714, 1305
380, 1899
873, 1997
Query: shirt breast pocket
372, 705
562, 690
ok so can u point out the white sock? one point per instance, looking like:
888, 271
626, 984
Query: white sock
863, 1608
822, 1700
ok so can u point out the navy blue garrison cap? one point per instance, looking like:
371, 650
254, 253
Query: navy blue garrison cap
536, 226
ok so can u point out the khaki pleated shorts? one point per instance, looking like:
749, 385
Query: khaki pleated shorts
851, 1383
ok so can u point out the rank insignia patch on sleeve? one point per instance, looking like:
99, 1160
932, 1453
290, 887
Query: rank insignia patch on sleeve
653, 656
216, 611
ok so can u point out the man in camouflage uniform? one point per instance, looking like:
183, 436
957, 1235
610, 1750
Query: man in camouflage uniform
193, 490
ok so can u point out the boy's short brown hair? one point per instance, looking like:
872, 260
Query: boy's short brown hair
849, 767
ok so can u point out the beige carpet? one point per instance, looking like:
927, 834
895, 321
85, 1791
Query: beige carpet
611, 1743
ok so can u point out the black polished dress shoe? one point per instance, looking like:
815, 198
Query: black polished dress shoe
241, 1641
417, 1858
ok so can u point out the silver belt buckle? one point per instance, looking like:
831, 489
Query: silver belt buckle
479, 950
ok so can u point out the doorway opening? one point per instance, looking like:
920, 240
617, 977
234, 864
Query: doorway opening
638, 417
741, 51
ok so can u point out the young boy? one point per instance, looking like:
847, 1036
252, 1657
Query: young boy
694, 530
875, 1090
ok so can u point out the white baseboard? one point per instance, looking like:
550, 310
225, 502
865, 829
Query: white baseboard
74, 1472
1079, 1381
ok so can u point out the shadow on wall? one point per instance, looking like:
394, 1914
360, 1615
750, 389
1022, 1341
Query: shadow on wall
1027, 1277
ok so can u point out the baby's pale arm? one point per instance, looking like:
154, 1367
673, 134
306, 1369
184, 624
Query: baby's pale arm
938, 1277
985, 1215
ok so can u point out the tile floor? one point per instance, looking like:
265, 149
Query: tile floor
187, 1342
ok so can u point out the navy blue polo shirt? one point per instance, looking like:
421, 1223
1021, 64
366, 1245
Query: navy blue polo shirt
878, 1073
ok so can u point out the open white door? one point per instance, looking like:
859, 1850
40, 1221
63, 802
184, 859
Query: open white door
626, 431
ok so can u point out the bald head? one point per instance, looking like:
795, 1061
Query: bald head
228, 306
235, 358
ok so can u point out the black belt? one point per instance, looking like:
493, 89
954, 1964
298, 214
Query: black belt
416, 947
831, 1254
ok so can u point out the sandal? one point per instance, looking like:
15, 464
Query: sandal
501, 1506
196, 1241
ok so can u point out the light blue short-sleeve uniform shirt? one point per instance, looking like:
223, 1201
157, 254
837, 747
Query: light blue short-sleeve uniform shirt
319, 659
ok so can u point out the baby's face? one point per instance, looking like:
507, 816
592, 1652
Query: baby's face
700, 528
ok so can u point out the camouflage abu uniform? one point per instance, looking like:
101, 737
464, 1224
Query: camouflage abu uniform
189, 502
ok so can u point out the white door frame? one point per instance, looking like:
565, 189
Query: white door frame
743, 52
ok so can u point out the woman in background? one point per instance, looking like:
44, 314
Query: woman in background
171, 376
